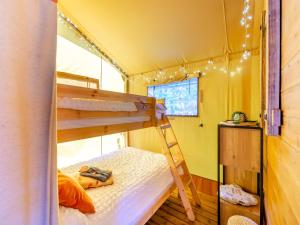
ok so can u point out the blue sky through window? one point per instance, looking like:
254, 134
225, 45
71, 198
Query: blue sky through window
181, 98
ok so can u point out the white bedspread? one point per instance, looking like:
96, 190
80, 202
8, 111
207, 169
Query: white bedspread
95, 105
140, 178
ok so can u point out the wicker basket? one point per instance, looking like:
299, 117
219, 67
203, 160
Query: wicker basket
240, 220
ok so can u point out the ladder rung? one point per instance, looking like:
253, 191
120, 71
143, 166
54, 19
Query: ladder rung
172, 144
165, 126
177, 164
188, 182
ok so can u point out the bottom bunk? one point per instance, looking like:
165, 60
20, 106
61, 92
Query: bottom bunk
142, 182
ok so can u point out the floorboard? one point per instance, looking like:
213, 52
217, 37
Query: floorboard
173, 213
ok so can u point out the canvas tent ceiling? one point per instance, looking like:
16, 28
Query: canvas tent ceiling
145, 35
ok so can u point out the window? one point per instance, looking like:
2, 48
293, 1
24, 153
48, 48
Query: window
111, 78
181, 98
75, 56
74, 59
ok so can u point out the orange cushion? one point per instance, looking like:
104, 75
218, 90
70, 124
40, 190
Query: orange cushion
72, 195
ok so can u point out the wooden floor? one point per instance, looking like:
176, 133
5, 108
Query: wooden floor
172, 212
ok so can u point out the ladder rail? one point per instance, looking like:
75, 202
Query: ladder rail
174, 165
185, 201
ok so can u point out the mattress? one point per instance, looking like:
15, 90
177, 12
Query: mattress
104, 121
95, 105
140, 179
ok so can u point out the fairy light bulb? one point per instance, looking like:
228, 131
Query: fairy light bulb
246, 55
242, 21
246, 9
182, 69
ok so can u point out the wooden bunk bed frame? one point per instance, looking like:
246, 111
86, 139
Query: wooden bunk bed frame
146, 106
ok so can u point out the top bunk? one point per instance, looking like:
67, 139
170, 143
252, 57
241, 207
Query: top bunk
84, 112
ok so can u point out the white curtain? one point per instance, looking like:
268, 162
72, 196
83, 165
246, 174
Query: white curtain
28, 188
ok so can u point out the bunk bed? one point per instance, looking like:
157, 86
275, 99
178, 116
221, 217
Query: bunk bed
84, 112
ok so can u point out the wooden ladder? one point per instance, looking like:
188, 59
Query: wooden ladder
179, 169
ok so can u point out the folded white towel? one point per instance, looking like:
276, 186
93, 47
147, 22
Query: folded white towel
234, 194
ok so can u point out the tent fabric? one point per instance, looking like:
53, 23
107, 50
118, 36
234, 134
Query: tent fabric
28, 189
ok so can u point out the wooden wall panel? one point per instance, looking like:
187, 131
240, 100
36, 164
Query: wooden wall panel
205, 185
283, 173
246, 179
280, 211
290, 131
282, 167
290, 99
290, 29
290, 73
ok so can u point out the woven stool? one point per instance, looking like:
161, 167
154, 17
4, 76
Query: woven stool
240, 220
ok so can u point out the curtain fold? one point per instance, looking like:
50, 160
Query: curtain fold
28, 189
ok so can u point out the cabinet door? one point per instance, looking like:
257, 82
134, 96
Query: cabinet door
240, 148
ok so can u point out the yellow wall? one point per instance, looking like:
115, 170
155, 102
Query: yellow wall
222, 95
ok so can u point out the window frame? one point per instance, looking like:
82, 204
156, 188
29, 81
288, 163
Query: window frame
198, 96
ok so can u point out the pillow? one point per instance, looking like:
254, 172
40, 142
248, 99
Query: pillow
72, 195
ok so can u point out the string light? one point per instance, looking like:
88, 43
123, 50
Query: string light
210, 65
90, 44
